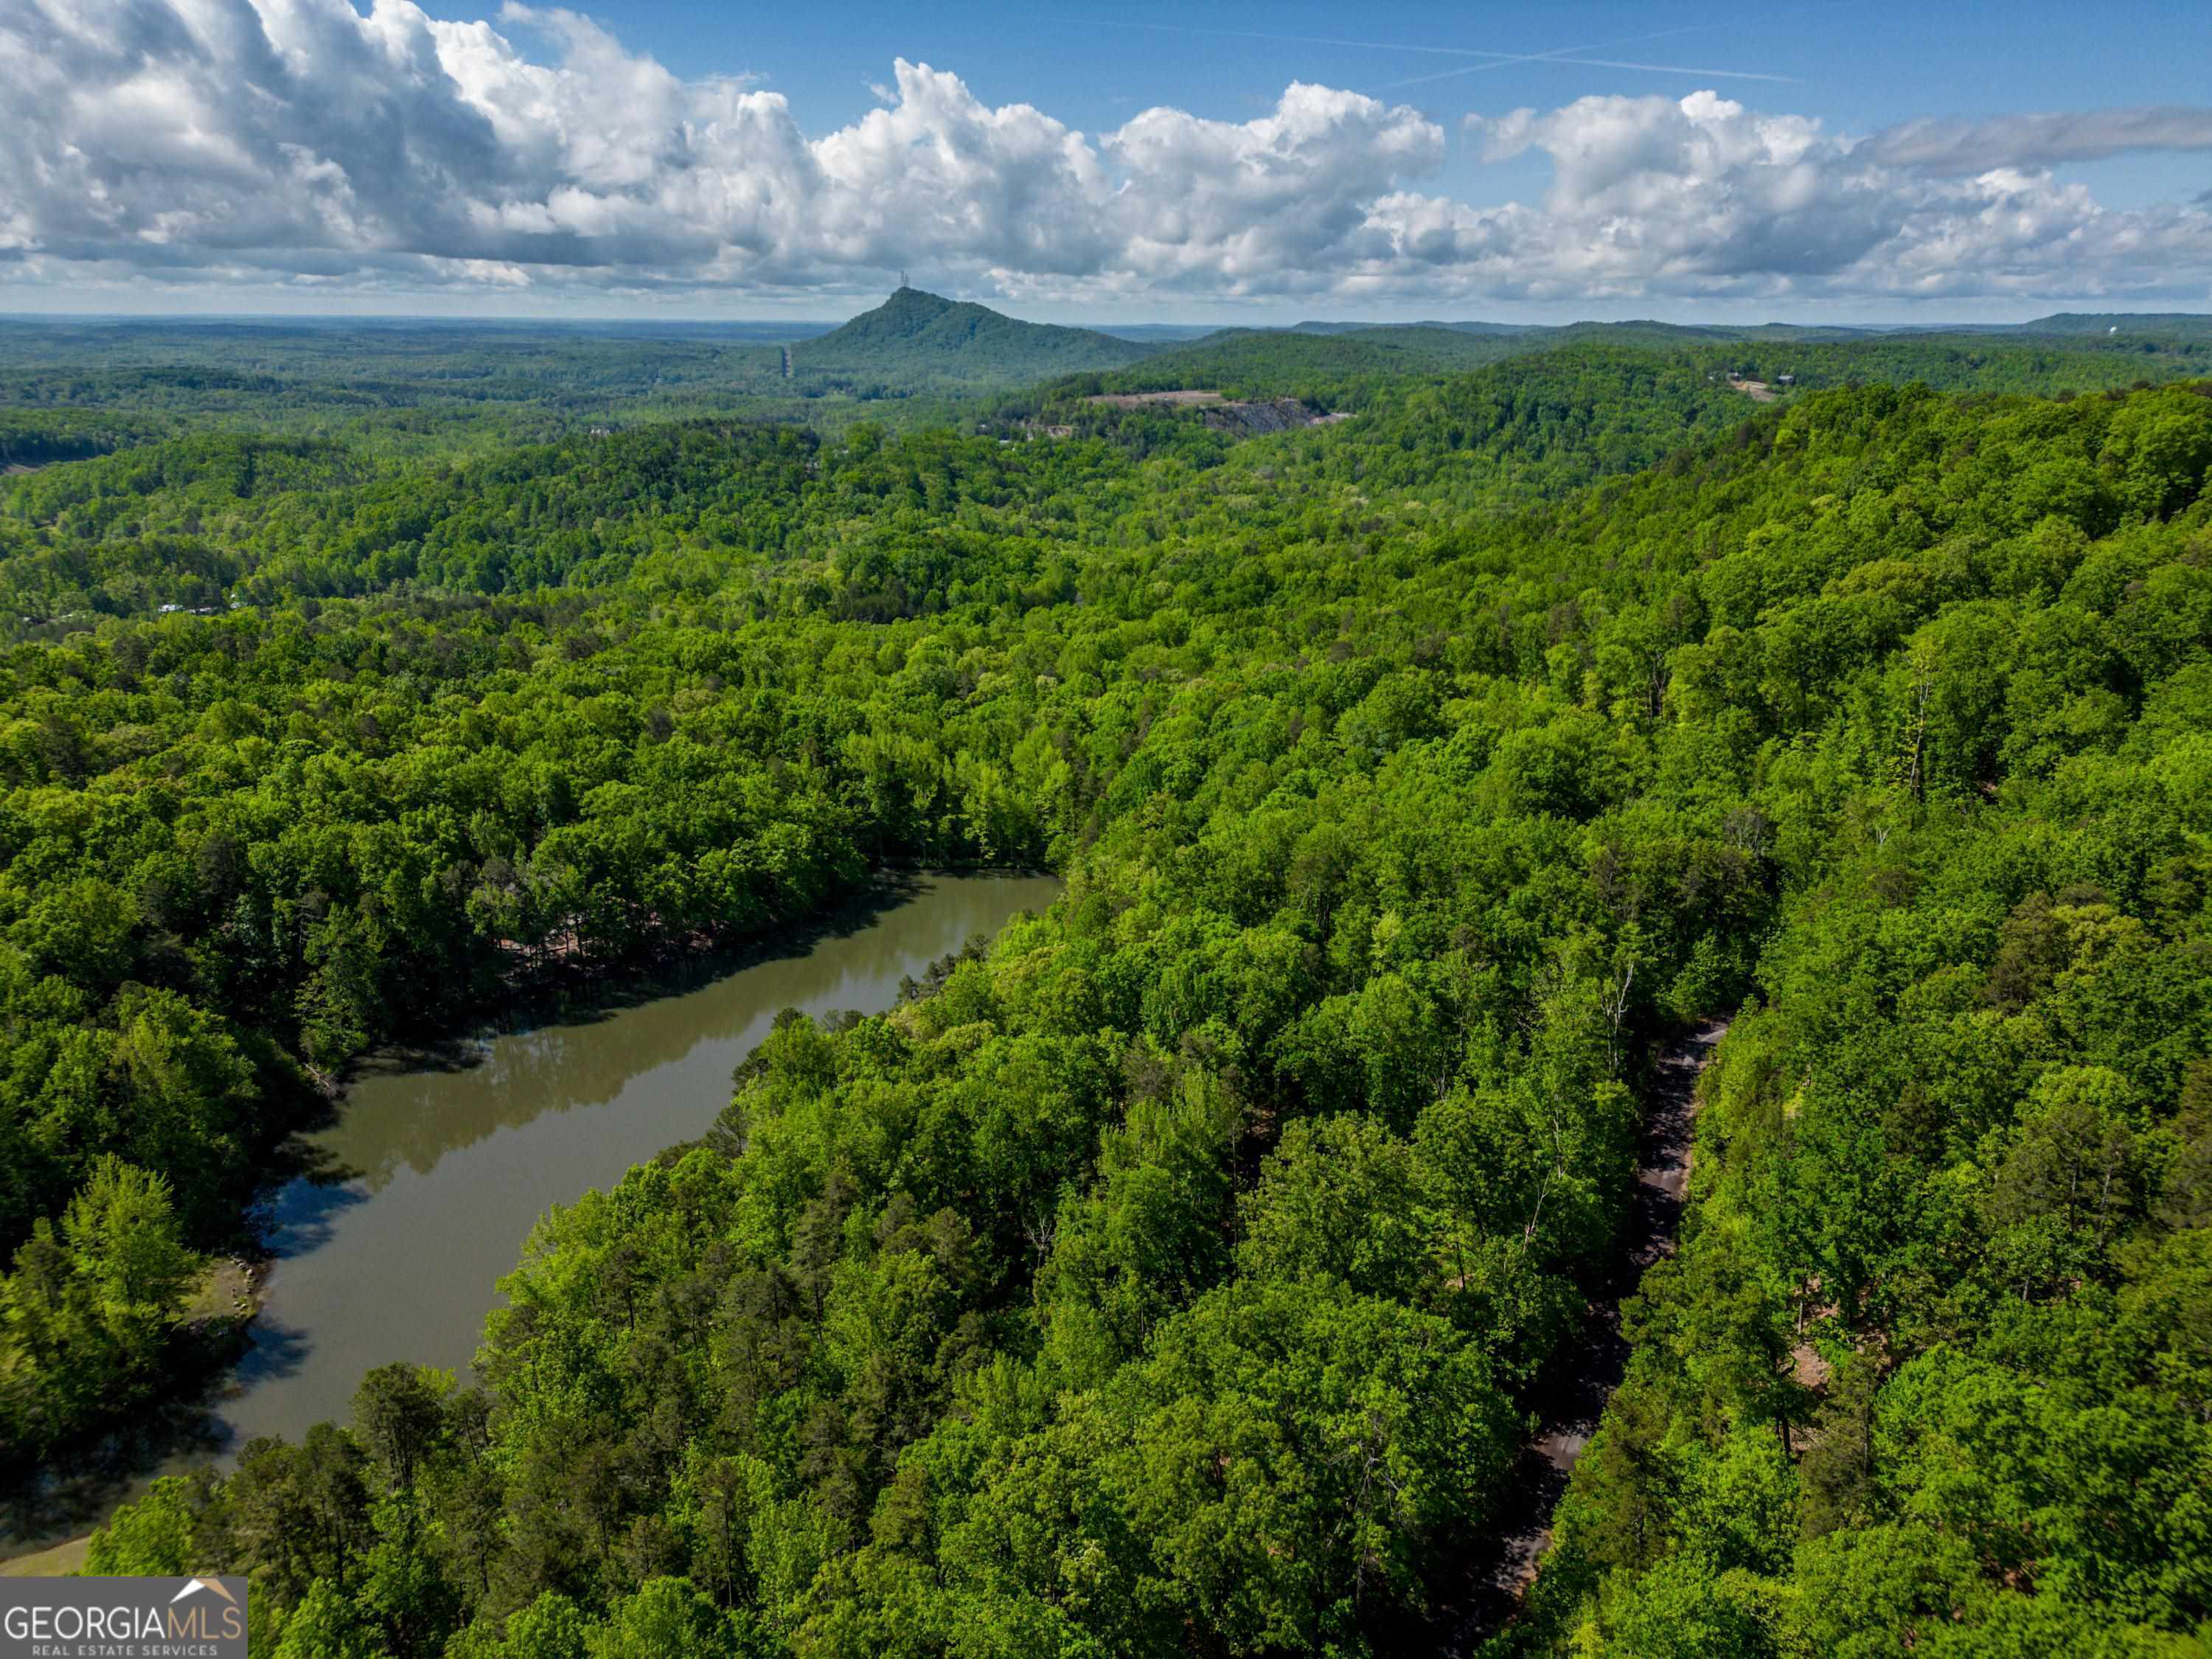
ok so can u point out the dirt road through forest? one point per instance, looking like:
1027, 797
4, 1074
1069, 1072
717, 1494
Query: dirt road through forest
1582, 1379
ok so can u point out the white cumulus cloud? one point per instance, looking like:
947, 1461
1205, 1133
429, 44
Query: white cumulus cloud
260, 142
284, 138
1701, 196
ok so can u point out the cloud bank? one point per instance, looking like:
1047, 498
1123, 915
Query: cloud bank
301, 143
1703, 196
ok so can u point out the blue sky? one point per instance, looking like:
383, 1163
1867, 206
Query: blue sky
1858, 66
1699, 160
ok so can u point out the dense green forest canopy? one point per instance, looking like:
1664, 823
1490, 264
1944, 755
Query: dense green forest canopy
1379, 369
1260, 362
404, 388
2125, 326
1178, 1275
206, 520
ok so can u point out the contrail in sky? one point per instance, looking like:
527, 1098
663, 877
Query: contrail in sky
1564, 60
1563, 55
1310, 40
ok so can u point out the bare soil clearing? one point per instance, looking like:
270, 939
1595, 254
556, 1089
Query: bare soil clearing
231, 1291
1138, 400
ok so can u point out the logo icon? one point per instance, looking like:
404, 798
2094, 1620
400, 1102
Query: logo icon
214, 1586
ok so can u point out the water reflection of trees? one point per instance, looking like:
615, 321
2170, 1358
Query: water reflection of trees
413, 1108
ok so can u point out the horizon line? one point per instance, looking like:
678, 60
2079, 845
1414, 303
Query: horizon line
530, 319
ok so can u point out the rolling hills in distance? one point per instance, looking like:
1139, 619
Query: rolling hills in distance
918, 345
916, 341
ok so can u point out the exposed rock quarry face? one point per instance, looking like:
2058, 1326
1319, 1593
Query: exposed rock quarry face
1250, 420
1244, 420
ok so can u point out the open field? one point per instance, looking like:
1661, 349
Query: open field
61, 1558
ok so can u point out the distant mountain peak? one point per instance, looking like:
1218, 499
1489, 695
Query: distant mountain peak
915, 332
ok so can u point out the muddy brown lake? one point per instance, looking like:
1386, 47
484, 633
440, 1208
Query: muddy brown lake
437, 1166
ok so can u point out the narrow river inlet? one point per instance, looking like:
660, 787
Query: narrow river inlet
434, 1171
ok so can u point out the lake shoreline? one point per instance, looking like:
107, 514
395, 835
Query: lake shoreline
570, 989
385, 1223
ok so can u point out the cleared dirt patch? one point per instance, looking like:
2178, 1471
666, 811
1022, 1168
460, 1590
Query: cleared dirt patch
1138, 400
231, 1291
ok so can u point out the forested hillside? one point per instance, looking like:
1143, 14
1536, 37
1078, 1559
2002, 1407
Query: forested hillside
403, 389
200, 521
203, 520
1180, 1275
1379, 369
2135, 326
